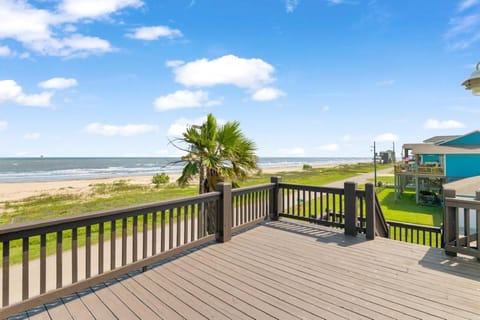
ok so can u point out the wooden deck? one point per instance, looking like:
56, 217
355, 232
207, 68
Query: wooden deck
287, 270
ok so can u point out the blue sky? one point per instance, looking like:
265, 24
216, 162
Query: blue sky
303, 77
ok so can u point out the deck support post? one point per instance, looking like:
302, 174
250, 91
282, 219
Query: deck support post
449, 222
276, 198
224, 213
351, 215
370, 211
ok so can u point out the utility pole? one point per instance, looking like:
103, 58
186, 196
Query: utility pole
394, 155
375, 163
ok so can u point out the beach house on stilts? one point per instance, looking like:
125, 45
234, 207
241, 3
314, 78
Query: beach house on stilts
427, 166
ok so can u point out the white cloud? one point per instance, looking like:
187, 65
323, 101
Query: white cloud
329, 147
154, 33
297, 151
3, 125
43, 31
386, 137
184, 99
32, 136
326, 108
5, 51
466, 4
114, 130
174, 63
347, 138
291, 5
179, 126
35, 100
445, 124
10, 91
58, 83
267, 94
335, 2
463, 31
74, 9
226, 70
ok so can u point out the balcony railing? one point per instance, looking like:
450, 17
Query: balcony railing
422, 169
462, 224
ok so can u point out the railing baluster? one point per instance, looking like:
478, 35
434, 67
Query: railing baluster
100, 247
43, 262
178, 211
145, 236
25, 264
5, 273
88, 251
135, 238
59, 258
162, 242
457, 228
74, 255
185, 224
466, 224
154, 232
113, 237
192, 226
170, 228
124, 241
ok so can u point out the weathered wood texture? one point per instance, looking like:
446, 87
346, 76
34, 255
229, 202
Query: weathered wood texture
288, 270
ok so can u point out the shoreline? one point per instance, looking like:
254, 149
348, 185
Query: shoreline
16, 191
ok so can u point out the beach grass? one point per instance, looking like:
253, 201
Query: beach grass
104, 196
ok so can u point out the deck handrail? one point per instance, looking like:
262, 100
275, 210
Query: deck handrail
462, 224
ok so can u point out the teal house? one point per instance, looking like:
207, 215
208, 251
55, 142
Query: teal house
438, 160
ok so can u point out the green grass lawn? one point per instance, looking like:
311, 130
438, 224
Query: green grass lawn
406, 210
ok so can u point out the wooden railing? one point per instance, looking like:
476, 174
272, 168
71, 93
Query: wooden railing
348, 208
414, 233
419, 169
462, 224
45, 260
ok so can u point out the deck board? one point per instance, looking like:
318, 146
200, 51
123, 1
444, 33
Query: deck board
287, 270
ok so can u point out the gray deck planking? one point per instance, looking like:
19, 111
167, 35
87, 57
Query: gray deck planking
288, 270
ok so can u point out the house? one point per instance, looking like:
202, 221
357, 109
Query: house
438, 160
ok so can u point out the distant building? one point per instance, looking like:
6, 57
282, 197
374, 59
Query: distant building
387, 156
438, 160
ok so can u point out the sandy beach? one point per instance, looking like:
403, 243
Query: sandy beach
14, 191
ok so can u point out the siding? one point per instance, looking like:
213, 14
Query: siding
462, 165
430, 158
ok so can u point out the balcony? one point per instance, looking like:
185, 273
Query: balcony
264, 261
412, 169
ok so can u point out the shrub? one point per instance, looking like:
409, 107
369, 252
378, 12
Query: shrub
307, 167
160, 178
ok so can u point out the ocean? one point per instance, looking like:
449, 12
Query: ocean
54, 169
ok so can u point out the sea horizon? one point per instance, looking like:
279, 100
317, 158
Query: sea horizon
44, 169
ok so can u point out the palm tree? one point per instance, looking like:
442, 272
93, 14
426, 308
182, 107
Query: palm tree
216, 154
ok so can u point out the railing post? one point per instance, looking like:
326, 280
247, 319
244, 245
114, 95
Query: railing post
276, 198
477, 219
224, 213
449, 222
351, 215
370, 210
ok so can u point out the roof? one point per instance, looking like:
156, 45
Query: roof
464, 187
440, 139
428, 148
